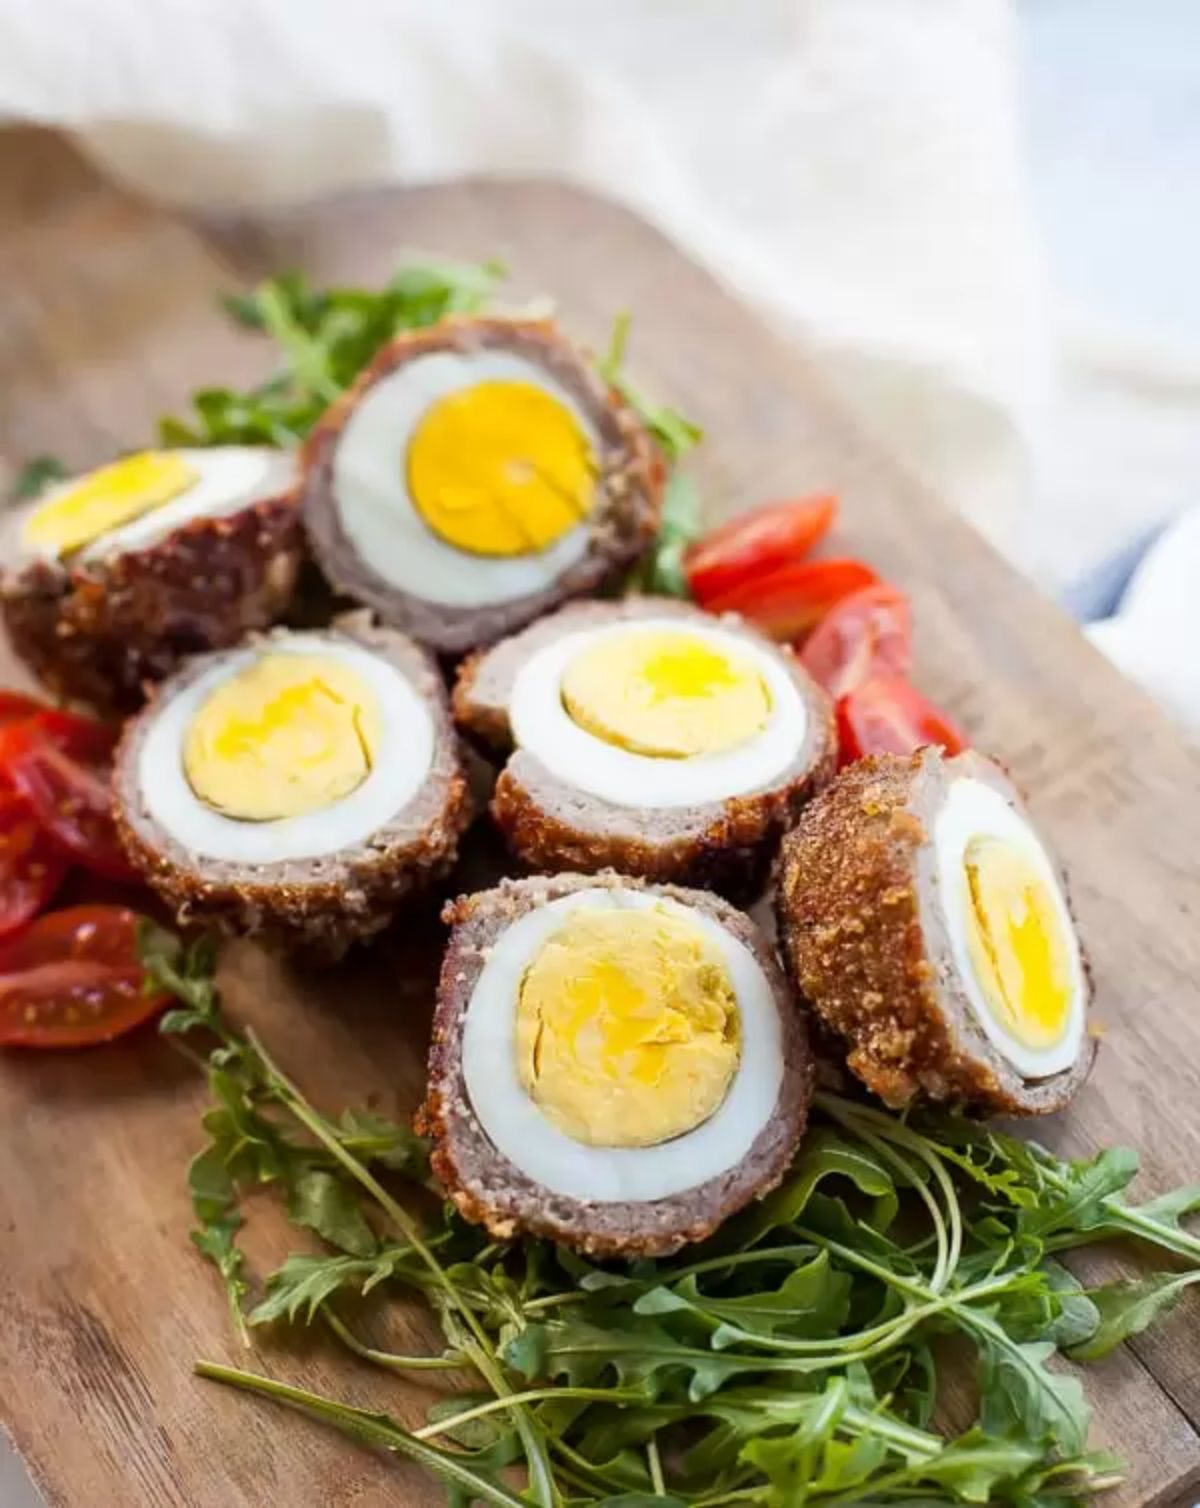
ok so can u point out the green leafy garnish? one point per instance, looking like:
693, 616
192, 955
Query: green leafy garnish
661, 571
325, 337
35, 476
791, 1359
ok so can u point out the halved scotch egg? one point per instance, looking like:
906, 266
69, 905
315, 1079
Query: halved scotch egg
927, 924
299, 786
111, 579
476, 475
614, 1065
650, 737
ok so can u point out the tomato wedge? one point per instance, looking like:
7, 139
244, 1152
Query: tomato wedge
31, 869
80, 737
868, 633
72, 979
70, 799
788, 602
15, 707
888, 715
753, 543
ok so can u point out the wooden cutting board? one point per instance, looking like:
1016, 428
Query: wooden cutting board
106, 320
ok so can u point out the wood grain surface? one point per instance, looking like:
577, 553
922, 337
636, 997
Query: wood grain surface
106, 320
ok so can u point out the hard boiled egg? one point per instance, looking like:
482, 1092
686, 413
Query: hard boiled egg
614, 1065
478, 473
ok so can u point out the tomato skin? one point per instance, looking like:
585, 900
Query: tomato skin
888, 715
868, 633
16, 706
753, 543
73, 979
80, 737
787, 603
31, 869
70, 799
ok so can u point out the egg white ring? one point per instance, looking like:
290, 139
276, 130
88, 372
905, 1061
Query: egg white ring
971, 809
403, 760
230, 478
523, 1134
541, 723
378, 515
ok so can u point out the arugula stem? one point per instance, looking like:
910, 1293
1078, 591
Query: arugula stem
451, 1361
654, 1462
484, 1358
948, 1228
531, 1395
369, 1429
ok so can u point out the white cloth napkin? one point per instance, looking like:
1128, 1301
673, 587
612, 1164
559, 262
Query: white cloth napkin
851, 166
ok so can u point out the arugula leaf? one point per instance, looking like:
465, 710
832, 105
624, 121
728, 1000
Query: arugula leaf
385, 1143
674, 434
325, 1204
1076, 1194
661, 570
217, 1240
1128, 1307
812, 1300
304, 1282
35, 476
325, 338
1019, 1392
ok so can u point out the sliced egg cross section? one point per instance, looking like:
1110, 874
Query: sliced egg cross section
136, 501
649, 713
627, 1027
467, 477
292, 749
1010, 930
289, 734
619, 1045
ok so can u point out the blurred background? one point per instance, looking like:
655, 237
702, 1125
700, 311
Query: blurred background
979, 217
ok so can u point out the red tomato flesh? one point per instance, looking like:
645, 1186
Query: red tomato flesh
70, 799
777, 534
72, 979
15, 707
788, 602
868, 633
31, 869
888, 715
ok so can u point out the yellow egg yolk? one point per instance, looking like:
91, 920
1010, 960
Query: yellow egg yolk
290, 734
1017, 946
665, 693
107, 499
627, 1028
501, 468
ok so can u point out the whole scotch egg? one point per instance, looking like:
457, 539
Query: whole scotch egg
650, 737
112, 578
300, 786
614, 1065
928, 926
476, 475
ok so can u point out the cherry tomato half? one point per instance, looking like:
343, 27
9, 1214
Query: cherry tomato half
70, 799
80, 737
868, 633
72, 979
15, 707
31, 869
788, 602
888, 715
753, 543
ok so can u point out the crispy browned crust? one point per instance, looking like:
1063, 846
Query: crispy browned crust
323, 904
858, 933
100, 631
491, 1191
623, 524
550, 826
